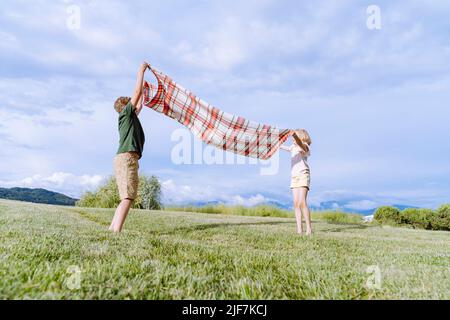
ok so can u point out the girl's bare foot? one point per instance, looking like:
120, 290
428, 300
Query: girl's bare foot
309, 232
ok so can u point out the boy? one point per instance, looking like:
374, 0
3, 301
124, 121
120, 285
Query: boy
131, 144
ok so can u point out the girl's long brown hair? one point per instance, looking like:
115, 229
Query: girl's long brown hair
304, 137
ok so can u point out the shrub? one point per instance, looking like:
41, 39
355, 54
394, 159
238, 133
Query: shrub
107, 195
338, 217
441, 218
87, 200
417, 218
387, 215
268, 211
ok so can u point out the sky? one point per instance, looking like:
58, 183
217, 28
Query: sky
374, 99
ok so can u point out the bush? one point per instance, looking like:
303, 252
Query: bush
441, 218
87, 200
268, 211
107, 195
417, 218
387, 215
339, 217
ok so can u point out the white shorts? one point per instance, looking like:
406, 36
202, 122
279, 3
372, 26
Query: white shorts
300, 180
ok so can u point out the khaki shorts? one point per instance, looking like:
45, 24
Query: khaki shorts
126, 166
300, 180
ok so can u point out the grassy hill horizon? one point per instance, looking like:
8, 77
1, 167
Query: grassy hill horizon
60, 252
36, 195
45, 196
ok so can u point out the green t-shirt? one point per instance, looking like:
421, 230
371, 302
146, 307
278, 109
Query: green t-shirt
132, 136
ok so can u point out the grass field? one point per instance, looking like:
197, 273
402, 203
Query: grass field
53, 252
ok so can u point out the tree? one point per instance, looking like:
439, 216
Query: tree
150, 193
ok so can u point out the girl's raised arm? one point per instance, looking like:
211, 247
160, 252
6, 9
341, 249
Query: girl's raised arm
285, 148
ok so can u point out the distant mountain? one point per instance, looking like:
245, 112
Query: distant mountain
278, 204
36, 195
342, 206
287, 205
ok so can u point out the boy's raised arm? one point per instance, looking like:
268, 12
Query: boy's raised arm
137, 95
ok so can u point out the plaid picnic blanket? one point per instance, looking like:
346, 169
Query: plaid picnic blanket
213, 126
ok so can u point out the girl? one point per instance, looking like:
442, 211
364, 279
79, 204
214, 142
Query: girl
300, 177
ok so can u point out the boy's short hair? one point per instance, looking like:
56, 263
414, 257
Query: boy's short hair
120, 103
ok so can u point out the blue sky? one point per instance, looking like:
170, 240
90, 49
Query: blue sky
374, 101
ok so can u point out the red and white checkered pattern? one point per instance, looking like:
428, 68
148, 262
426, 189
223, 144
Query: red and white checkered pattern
213, 126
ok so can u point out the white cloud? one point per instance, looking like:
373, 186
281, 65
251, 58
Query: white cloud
100, 38
250, 201
185, 194
173, 193
222, 48
234, 41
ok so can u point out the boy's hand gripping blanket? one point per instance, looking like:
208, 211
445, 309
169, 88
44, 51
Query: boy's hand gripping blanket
213, 126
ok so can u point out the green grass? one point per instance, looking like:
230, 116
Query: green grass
178, 255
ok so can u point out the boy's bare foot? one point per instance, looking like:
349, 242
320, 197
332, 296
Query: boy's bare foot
299, 231
309, 232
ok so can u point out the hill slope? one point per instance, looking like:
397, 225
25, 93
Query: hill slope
56, 252
37, 196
